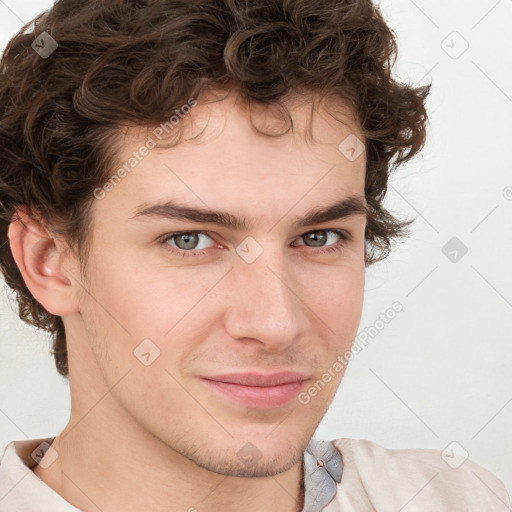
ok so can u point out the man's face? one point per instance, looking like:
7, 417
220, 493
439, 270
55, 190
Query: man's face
162, 315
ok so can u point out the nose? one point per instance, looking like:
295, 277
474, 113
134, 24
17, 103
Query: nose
263, 302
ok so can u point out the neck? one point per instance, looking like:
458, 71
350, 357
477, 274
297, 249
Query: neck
110, 466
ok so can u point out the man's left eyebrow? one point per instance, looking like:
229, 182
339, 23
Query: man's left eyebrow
347, 207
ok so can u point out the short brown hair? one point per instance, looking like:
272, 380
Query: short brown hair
134, 62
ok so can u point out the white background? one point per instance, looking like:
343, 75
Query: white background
441, 370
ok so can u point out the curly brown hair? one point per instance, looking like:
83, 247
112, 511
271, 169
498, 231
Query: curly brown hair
134, 62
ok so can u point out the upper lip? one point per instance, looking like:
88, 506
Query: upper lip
259, 380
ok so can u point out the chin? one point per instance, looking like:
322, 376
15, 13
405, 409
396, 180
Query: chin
249, 461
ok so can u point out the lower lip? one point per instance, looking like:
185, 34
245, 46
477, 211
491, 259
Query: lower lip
255, 396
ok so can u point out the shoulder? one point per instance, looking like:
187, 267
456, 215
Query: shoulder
421, 479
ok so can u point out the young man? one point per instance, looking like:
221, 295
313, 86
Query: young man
190, 194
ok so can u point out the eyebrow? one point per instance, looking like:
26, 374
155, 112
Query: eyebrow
347, 207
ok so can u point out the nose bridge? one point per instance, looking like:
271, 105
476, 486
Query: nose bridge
263, 305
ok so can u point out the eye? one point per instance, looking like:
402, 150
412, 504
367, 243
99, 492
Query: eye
319, 238
188, 243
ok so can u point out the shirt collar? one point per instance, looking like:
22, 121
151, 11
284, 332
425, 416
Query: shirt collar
323, 466
20, 488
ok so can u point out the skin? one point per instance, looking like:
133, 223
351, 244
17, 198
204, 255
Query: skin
143, 437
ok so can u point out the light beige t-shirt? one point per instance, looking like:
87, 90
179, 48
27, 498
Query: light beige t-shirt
377, 479
373, 479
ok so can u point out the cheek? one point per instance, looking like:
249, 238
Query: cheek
143, 297
138, 308
338, 298
339, 306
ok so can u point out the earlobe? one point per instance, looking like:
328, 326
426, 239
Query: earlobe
41, 260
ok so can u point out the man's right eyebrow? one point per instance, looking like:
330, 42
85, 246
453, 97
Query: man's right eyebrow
172, 209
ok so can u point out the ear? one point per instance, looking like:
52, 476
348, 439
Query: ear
43, 261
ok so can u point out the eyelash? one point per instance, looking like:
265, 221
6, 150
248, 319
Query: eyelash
344, 238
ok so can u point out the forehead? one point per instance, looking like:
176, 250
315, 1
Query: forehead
221, 118
239, 154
